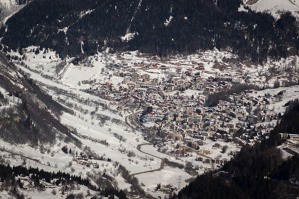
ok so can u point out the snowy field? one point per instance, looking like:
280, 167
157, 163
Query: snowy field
276, 7
65, 81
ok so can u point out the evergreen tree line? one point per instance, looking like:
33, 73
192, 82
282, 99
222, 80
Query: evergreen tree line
10, 174
64, 26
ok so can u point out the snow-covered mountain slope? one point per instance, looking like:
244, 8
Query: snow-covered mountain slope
8, 8
34, 133
82, 28
8, 3
275, 7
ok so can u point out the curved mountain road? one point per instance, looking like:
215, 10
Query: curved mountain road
153, 170
133, 124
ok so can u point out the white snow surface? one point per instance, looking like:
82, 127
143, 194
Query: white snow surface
276, 7
129, 36
290, 94
8, 8
54, 74
167, 22
8, 3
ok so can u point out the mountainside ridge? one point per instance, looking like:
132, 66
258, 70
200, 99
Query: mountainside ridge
80, 28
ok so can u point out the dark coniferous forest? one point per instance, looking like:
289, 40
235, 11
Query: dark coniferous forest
9, 176
63, 25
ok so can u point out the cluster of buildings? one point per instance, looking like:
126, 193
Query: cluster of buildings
86, 161
177, 95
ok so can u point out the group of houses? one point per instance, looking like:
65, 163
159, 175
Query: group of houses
177, 94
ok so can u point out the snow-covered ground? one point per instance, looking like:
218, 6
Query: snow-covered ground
89, 129
8, 8
168, 176
288, 94
276, 7
66, 82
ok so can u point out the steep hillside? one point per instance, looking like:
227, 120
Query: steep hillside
25, 108
36, 147
259, 171
79, 28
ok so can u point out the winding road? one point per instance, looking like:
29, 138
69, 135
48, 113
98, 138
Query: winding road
133, 124
153, 170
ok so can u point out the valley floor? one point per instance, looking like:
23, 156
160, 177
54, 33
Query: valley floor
167, 146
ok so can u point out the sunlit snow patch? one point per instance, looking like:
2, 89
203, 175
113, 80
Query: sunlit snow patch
275, 7
129, 36
167, 22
